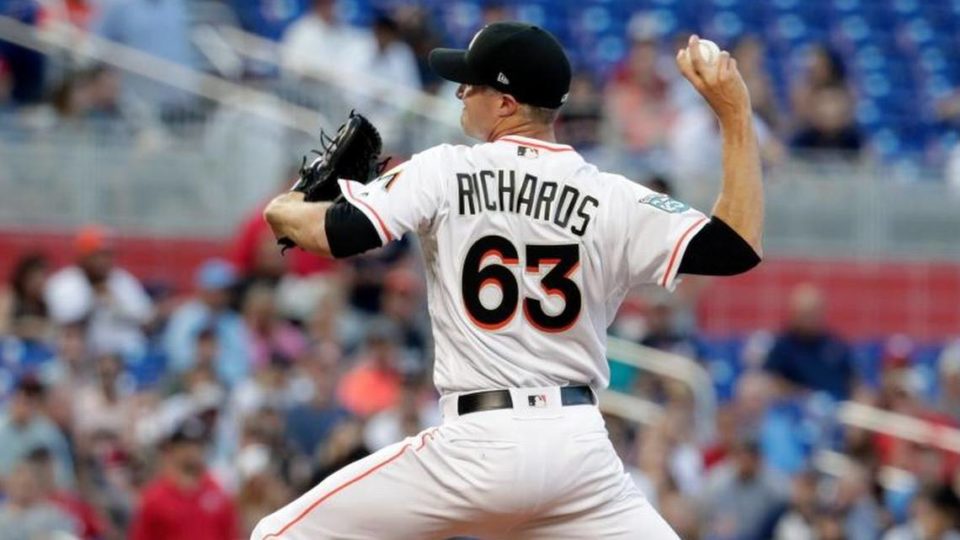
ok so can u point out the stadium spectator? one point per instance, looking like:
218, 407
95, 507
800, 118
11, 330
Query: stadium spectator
267, 18
680, 512
419, 31
391, 58
27, 68
392, 61
936, 516
25, 514
416, 410
262, 488
77, 13
108, 299
650, 470
799, 521
742, 417
90, 525
310, 424
750, 54
71, 361
401, 303
316, 43
949, 380
255, 256
184, 501
24, 322
267, 334
161, 29
947, 108
830, 123
23, 309
900, 393
344, 446
326, 322
662, 332
581, 118
677, 428
740, 496
853, 500
638, 103
806, 355
271, 388
104, 404
210, 309
696, 127
93, 94
373, 384
24, 427
823, 69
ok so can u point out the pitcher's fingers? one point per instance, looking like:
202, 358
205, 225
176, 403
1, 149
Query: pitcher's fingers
686, 68
723, 65
699, 64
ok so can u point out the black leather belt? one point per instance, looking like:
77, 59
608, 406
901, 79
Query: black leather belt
492, 400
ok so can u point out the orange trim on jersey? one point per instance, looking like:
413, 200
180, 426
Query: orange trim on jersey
676, 250
383, 226
541, 145
423, 442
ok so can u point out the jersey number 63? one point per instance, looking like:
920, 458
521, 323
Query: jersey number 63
564, 259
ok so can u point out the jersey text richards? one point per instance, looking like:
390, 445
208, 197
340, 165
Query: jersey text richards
504, 191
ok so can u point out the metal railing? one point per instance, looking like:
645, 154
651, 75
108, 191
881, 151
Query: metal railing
668, 365
901, 426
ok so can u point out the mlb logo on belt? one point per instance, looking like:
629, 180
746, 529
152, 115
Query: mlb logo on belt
537, 400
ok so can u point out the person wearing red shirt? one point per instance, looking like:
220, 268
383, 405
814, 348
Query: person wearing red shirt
184, 501
373, 384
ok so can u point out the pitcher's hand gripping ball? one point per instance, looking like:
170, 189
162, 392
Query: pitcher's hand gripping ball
709, 51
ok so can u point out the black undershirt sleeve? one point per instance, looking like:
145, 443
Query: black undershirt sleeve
717, 250
349, 231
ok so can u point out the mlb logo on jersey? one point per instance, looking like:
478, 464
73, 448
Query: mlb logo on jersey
537, 400
527, 152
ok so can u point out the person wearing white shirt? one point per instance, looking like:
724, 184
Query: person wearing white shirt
319, 44
108, 299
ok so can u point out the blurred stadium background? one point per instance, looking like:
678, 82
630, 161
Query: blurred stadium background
159, 358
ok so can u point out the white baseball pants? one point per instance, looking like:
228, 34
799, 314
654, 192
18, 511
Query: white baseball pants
539, 471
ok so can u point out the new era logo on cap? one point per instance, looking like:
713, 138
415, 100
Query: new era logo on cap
501, 78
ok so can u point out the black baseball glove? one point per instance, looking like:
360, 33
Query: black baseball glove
353, 153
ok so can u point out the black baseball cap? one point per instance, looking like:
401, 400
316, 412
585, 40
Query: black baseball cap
515, 58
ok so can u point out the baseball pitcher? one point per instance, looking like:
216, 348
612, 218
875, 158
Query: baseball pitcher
529, 251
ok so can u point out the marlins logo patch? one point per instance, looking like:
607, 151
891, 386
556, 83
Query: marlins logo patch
665, 203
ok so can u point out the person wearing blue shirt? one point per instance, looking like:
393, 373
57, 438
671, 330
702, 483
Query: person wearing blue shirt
806, 355
210, 310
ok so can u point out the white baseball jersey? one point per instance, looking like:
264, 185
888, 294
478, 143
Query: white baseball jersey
529, 251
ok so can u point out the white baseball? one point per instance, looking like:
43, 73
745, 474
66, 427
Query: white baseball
709, 51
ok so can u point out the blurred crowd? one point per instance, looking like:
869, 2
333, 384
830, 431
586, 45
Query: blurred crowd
639, 107
779, 462
132, 409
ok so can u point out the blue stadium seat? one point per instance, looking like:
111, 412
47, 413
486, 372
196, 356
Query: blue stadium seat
906, 7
